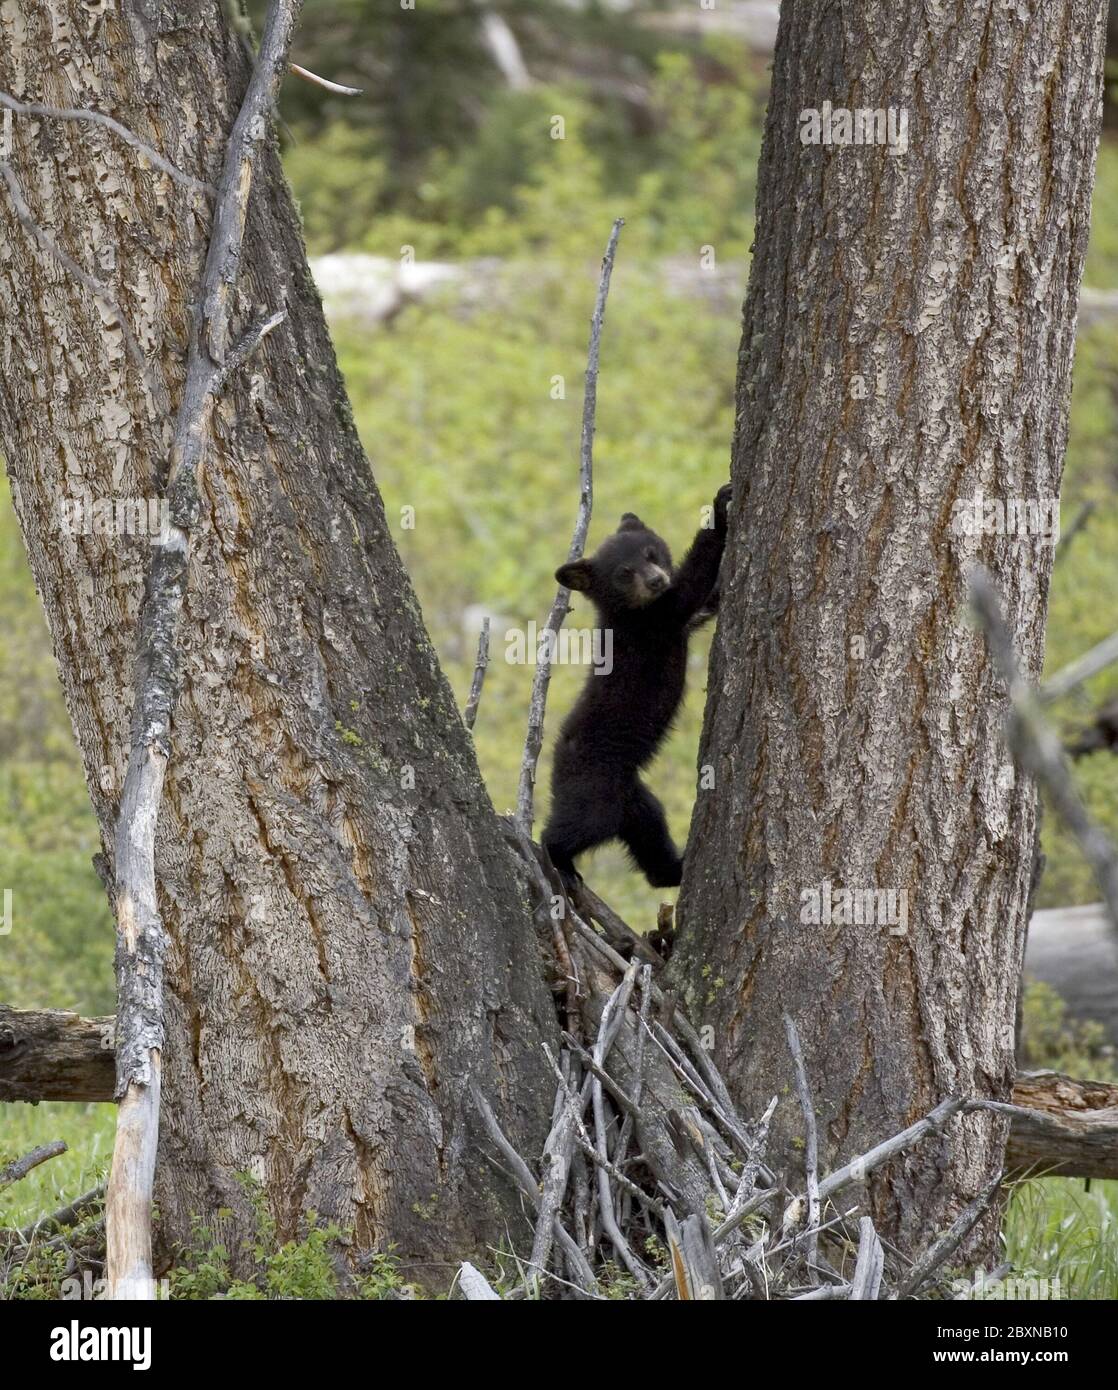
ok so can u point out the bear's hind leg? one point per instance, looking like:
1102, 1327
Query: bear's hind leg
644, 830
579, 825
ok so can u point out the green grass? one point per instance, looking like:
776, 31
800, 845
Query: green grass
1063, 1228
87, 1129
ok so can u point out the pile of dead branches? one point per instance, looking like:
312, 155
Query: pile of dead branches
69, 1244
651, 1184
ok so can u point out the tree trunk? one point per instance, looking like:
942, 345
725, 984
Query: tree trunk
349, 943
908, 339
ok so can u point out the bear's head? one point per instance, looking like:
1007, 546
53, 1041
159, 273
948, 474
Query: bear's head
630, 569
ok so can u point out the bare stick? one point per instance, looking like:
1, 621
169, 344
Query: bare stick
811, 1141
480, 667
755, 1162
1080, 670
557, 1152
61, 113
618, 1003
1037, 749
856, 1170
520, 1170
945, 1245
533, 742
866, 1284
335, 87
141, 940
474, 1285
22, 1166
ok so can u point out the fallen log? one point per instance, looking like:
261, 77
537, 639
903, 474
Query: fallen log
1063, 1127
54, 1055
1060, 1126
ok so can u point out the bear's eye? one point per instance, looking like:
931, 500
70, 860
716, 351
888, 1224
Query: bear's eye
650, 555
625, 573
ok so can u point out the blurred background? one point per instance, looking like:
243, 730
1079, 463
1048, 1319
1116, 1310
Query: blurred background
456, 241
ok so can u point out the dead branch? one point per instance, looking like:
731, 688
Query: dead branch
69, 1215
336, 87
480, 667
141, 941
20, 1167
533, 741
870, 1267
945, 1245
811, 1146
1104, 654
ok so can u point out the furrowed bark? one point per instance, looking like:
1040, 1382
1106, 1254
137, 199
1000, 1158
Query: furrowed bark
347, 942
907, 343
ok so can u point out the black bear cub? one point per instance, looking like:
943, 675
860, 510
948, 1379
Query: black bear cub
621, 717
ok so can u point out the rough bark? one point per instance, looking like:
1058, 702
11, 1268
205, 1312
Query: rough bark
348, 941
908, 337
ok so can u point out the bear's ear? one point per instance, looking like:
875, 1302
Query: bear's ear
578, 575
631, 522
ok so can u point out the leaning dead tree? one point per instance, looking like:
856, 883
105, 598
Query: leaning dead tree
141, 943
861, 849
323, 847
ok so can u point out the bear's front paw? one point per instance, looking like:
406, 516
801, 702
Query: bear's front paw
722, 503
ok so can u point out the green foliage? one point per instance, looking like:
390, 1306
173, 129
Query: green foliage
292, 1269
1049, 1039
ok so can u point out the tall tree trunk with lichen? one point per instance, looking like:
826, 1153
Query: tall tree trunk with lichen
349, 943
908, 340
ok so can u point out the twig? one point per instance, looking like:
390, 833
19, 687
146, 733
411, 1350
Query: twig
61, 113
480, 666
141, 940
533, 741
628, 1107
1082, 516
96, 287
811, 1140
1038, 751
945, 1245
520, 1170
20, 1167
522, 1175
335, 87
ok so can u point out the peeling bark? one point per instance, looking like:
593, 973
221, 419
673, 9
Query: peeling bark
348, 942
908, 339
